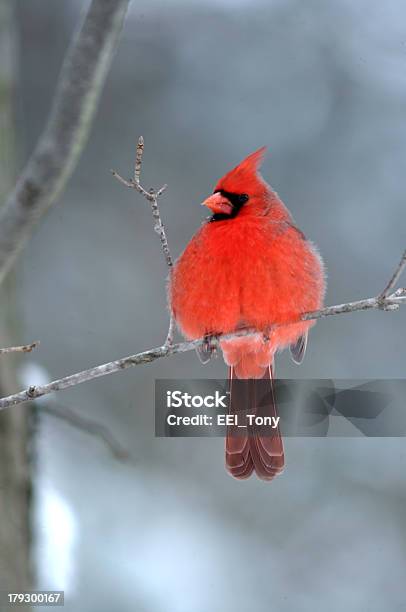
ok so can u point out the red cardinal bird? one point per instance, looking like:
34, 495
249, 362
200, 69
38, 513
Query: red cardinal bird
248, 266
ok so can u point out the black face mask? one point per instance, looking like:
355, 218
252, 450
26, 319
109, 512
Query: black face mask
237, 201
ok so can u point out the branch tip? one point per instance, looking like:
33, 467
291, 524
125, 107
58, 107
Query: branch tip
394, 278
138, 160
30, 347
25, 348
161, 190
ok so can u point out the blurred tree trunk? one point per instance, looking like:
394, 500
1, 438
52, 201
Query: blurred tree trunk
15, 477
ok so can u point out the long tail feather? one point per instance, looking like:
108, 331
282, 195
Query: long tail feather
249, 449
238, 457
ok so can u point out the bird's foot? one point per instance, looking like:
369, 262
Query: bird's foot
207, 348
266, 335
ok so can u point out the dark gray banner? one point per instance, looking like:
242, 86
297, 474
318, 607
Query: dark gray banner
317, 407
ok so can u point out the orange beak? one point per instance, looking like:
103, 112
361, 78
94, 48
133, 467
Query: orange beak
218, 204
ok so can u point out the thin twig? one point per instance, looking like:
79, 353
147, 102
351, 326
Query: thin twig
25, 348
88, 426
138, 160
392, 301
171, 331
395, 277
58, 150
152, 196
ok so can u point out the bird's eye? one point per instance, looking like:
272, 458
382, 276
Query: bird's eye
242, 198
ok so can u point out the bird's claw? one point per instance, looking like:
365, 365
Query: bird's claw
206, 349
266, 335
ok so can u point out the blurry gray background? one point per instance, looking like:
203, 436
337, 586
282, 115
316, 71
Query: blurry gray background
323, 85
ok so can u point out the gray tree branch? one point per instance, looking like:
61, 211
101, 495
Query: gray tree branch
90, 427
390, 302
394, 278
57, 152
25, 348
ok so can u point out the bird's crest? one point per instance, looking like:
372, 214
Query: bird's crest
245, 177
